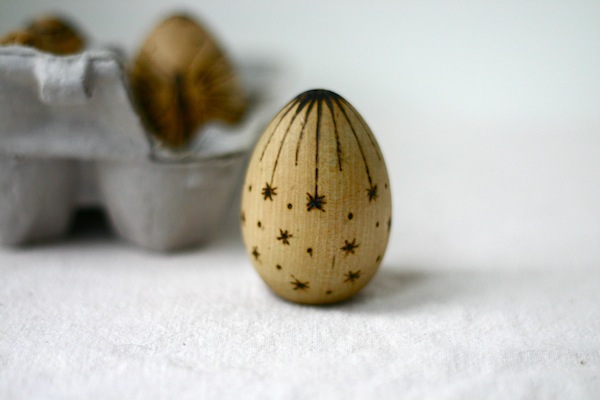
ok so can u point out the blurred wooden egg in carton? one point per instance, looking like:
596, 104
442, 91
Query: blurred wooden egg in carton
71, 135
181, 79
52, 34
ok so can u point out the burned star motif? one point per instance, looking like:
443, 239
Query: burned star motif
349, 246
268, 192
351, 276
315, 201
284, 236
372, 193
299, 285
255, 253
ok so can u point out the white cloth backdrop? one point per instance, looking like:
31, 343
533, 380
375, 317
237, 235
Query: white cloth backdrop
489, 119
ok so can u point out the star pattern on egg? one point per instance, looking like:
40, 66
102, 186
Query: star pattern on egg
315, 202
317, 152
351, 276
284, 236
349, 247
268, 192
255, 253
298, 284
372, 193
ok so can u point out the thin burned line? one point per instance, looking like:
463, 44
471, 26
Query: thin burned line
302, 130
220, 81
291, 105
318, 136
300, 107
182, 107
337, 137
333, 262
362, 153
365, 127
210, 64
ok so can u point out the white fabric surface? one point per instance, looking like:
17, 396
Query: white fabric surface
487, 114
93, 318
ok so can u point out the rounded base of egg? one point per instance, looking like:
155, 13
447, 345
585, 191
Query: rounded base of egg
316, 206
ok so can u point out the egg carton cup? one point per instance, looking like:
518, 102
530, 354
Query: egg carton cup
70, 137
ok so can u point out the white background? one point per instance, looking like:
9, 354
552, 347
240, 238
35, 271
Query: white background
488, 114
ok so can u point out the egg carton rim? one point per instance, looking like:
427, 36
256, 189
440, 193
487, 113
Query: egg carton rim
243, 134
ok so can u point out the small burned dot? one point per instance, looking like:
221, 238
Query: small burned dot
328, 292
310, 251
350, 216
259, 224
278, 266
377, 224
289, 206
249, 188
378, 259
386, 185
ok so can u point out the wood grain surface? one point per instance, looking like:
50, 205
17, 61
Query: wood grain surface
316, 207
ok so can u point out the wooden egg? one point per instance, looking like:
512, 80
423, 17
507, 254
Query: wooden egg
181, 79
56, 35
316, 206
50, 34
21, 38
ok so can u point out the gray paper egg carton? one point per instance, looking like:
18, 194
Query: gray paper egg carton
70, 137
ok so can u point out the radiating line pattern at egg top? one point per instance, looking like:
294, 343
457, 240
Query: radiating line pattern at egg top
316, 206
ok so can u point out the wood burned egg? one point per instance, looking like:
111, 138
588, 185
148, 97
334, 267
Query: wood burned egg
56, 35
182, 79
51, 34
316, 207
